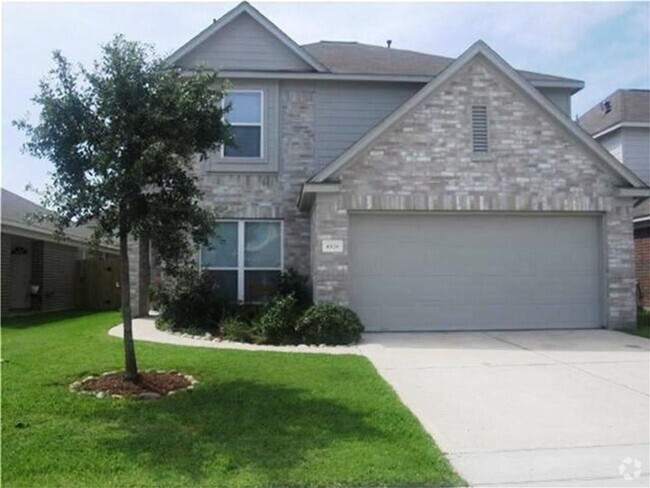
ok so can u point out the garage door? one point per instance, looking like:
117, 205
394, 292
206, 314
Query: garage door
475, 272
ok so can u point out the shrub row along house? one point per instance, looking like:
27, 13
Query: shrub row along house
426, 193
621, 123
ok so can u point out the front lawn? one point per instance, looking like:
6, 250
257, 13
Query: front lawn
254, 419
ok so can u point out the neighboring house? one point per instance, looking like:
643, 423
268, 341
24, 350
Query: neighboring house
38, 271
424, 192
621, 123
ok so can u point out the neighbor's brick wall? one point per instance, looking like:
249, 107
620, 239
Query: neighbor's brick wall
38, 268
5, 272
59, 264
425, 163
642, 262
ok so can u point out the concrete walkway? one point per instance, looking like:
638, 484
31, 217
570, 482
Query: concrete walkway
544, 408
144, 329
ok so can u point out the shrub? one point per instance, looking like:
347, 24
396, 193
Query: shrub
277, 324
296, 284
327, 323
234, 329
189, 303
245, 312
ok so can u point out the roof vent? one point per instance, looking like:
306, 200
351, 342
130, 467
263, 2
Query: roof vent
606, 106
388, 43
479, 129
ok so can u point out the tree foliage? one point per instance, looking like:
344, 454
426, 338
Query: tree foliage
124, 137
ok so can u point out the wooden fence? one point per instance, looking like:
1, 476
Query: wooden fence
97, 284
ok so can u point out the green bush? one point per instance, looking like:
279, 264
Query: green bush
189, 303
327, 323
296, 284
277, 324
234, 329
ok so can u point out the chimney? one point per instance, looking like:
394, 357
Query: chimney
388, 43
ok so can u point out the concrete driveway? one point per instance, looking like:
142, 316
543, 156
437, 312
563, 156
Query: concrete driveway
543, 408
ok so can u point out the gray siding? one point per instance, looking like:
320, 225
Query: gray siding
244, 45
636, 151
560, 97
345, 111
631, 146
613, 143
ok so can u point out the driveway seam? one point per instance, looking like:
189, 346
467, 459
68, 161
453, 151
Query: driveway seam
554, 480
571, 365
538, 449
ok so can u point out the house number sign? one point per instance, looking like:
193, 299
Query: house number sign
332, 246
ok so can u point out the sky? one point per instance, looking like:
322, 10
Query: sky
607, 45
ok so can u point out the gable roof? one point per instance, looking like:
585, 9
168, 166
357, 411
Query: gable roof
625, 107
16, 211
480, 49
246, 8
367, 59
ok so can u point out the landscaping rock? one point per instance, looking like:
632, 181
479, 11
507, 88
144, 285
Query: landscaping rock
149, 395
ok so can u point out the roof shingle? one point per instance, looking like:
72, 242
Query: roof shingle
358, 58
624, 106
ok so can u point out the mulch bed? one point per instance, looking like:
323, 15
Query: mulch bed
150, 385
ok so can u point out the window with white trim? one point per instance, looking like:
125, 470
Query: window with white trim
245, 117
479, 129
245, 259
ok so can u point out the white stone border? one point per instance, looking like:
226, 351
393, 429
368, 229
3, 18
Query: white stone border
144, 329
75, 387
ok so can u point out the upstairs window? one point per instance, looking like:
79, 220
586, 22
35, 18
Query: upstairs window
479, 129
245, 118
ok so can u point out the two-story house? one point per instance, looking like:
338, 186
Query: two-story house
424, 192
621, 123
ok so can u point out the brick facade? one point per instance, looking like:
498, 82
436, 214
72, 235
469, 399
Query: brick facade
59, 263
425, 163
266, 195
5, 273
642, 261
275, 195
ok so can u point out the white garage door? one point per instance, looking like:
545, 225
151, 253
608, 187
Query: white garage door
470, 272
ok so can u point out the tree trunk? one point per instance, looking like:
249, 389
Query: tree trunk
144, 282
130, 363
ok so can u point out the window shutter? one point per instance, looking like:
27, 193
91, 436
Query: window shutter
479, 129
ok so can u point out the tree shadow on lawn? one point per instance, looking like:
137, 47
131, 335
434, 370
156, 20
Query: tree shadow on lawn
228, 427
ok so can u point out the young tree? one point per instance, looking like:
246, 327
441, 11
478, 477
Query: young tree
124, 137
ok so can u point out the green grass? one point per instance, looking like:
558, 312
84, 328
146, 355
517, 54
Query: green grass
255, 419
643, 324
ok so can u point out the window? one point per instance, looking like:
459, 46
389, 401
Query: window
245, 259
479, 129
245, 117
